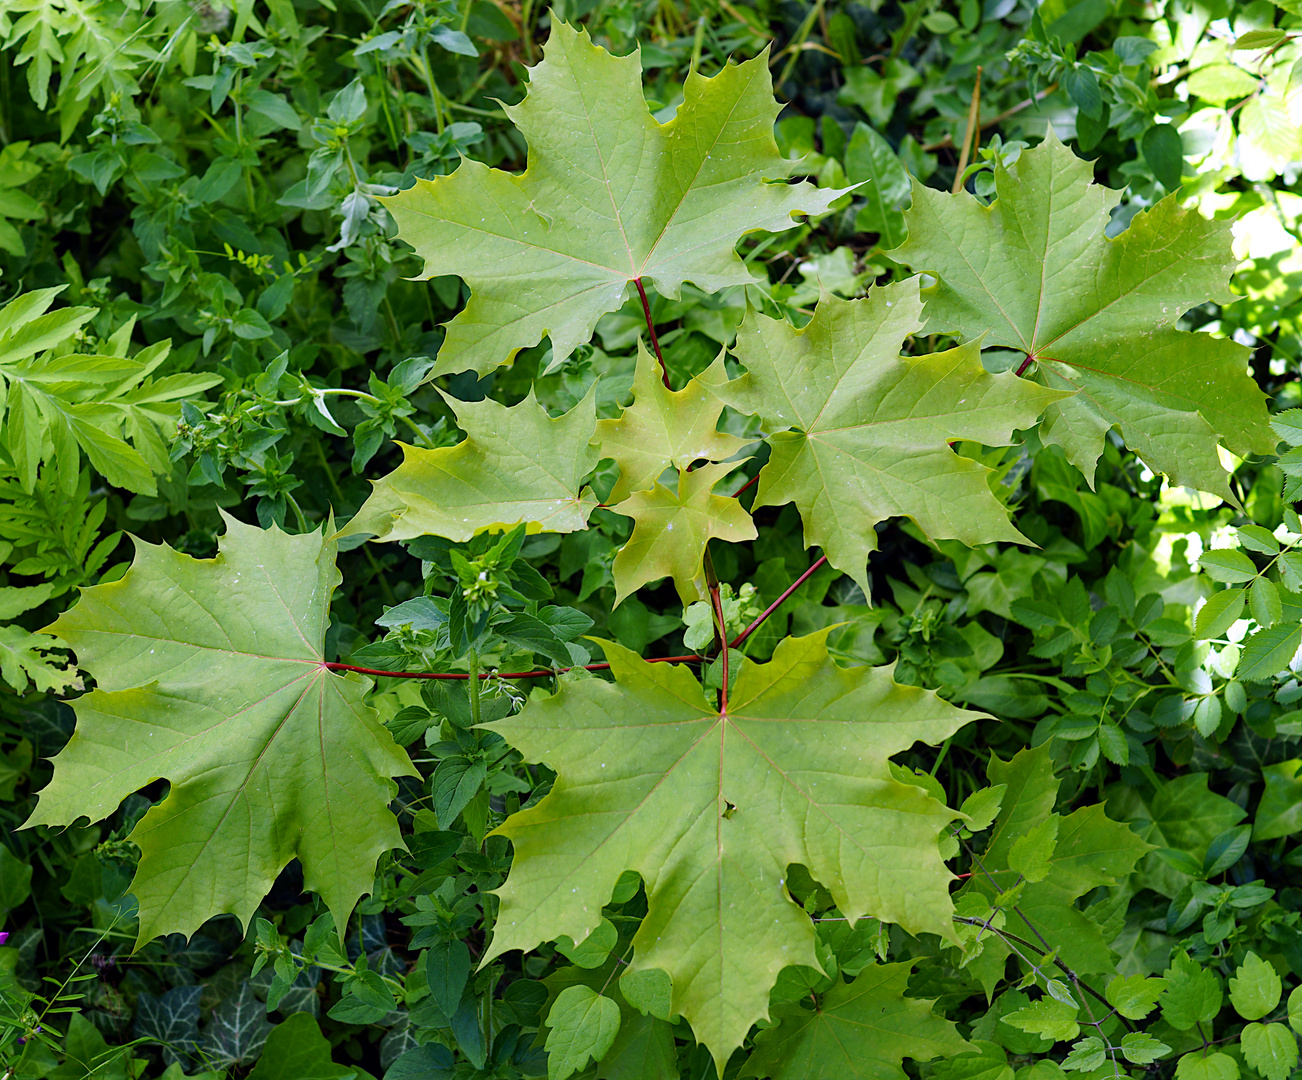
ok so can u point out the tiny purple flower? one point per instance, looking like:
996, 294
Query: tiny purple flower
4, 936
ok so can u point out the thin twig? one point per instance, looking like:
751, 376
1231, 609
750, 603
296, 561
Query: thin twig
971, 136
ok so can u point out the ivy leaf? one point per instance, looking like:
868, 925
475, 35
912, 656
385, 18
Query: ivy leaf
861, 434
663, 427
516, 465
1035, 271
237, 1029
1255, 988
171, 1020
672, 529
609, 197
861, 1030
211, 675
710, 809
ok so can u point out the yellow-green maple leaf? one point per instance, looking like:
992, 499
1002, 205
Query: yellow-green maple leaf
711, 808
1035, 271
664, 427
672, 530
516, 465
861, 434
609, 196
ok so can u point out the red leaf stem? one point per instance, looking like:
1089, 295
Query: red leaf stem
777, 603
748, 484
651, 329
1021, 368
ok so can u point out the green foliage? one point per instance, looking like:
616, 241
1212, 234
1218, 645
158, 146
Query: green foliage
651, 348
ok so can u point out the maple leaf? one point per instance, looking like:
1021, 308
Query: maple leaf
861, 1030
211, 675
712, 808
655, 550
610, 196
861, 433
664, 427
1035, 271
516, 465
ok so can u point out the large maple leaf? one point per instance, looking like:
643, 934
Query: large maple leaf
861, 433
1035, 271
610, 196
211, 676
712, 807
515, 465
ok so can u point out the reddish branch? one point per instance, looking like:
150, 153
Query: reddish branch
777, 603
651, 329
1021, 368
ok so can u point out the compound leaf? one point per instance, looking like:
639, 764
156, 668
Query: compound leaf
860, 433
711, 808
211, 675
656, 550
610, 196
515, 465
1035, 271
663, 427
861, 1030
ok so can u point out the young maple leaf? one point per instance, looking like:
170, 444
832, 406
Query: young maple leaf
610, 196
1035, 271
664, 427
712, 808
211, 676
862, 1029
861, 433
515, 465
656, 550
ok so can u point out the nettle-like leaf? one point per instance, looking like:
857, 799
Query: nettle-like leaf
610, 196
861, 433
1035, 271
1090, 850
516, 465
672, 529
211, 675
664, 427
712, 808
861, 1030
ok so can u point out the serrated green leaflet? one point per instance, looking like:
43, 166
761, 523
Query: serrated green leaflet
860, 433
515, 465
712, 808
860, 1030
663, 427
211, 675
610, 196
1034, 271
672, 529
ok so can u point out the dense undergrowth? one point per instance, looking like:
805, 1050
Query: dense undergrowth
218, 305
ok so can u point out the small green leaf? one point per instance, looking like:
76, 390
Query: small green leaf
1295, 1010
1228, 565
1255, 988
447, 967
1264, 602
1268, 652
1271, 1049
1086, 1055
1083, 86
1257, 538
296, 1050
1225, 850
1048, 1018
1164, 152
1031, 852
1259, 39
592, 951
982, 806
1193, 993
583, 1027
1140, 1048
1134, 996
1201, 1065
1280, 811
